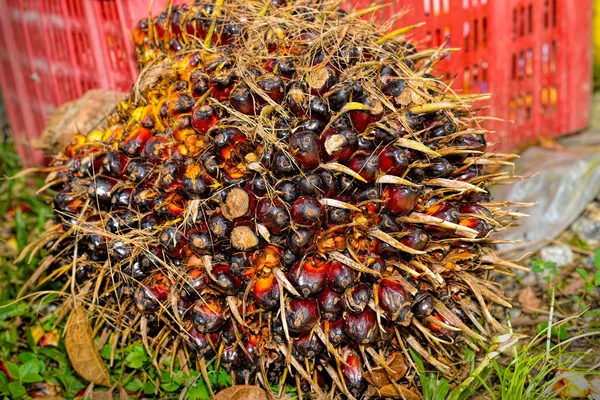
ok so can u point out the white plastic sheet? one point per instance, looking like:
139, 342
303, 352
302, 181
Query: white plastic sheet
565, 183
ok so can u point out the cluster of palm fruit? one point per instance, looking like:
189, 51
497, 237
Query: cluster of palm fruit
292, 195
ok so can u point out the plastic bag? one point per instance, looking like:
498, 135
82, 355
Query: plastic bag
565, 183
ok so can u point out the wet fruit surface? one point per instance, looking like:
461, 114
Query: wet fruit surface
294, 197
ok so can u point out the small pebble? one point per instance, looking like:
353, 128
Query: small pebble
588, 261
587, 230
531, 279
560, 254
515, 313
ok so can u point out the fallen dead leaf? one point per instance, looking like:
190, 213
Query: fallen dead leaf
595, 387
79, 116
380, 376
551, 144
123, 395
529, 301
242, 392
97, 395
152, 73
50, 339
37, 332
576, 283
399, 392
82, 350
572, 385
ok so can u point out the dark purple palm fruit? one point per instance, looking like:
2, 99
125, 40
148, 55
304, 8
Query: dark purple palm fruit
308, 276
476, 217
352, 371
361, 328
301, 314
290, 192
340, 276
208, 315
331, 304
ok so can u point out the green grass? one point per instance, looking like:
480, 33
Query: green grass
528, 373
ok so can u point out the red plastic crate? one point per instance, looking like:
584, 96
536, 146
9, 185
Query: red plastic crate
51, 51
533, 55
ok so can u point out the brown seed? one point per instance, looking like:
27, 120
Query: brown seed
243, 238
237, 204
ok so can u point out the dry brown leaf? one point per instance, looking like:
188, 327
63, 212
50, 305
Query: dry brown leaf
529, 301
399, 392
123, 395
410, 96
572, 384
380, 376
79, 116
152, 73
576, 283
551, 144
82, 350
242, 392
97, 395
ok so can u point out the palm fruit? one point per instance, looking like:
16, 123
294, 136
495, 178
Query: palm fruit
290, 192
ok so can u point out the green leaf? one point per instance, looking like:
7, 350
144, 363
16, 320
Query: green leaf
49, 324
71, 383
31, 340
13, 370
537, 269
597, 258
149, 387
137, 357
560, 332
198, 391
550, 265
30, 367
442, 389
5, 205
169, 386
3, 381
134, 385
417, 359
589, 287
166, 361
136, 360
12, 309
21, 229
597, 279
105, 351
583, 274
176, 377
31, 377
16, 390
223, 378
42, 218
26, 356
54, 354
428, 382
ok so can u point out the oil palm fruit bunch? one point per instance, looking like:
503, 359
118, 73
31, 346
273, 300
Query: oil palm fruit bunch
288, 192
